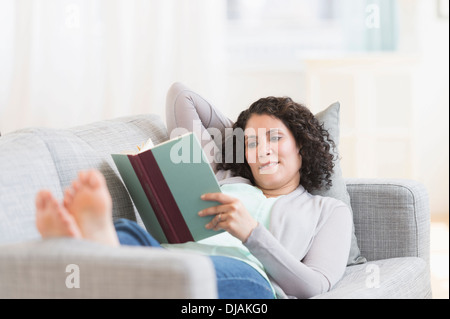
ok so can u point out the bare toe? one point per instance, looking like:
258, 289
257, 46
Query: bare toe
41, 199
93, 179
76, 185
91, 206
83, 177
52, 219
68, 197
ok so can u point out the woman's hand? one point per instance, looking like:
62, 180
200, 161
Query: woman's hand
231, 216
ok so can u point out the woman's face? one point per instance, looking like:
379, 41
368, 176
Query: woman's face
272, 153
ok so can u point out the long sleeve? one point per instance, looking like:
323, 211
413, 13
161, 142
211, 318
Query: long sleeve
188, 110
322, 266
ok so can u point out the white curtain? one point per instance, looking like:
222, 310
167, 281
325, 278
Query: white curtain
70, 62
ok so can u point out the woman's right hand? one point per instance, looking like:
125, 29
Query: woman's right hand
231, 216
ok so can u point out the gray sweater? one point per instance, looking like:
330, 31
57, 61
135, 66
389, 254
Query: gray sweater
306, 248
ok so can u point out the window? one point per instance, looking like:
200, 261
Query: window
264, 31
281, 12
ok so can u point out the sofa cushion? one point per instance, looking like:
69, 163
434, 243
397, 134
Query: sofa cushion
71, 154
395, 278
122, 134
26, 166
330, 117
115, 136
42, 158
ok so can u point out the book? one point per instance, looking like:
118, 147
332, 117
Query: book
165, 183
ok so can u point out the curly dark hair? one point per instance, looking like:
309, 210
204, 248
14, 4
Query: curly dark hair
312, 138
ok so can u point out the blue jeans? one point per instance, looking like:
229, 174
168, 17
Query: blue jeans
235, 279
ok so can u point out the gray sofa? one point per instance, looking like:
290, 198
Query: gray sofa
391, 223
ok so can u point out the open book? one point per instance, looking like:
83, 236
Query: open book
165, 182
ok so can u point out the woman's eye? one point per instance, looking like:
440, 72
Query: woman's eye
251, 144
275, 138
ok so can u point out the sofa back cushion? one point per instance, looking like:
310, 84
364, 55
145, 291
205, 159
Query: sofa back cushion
38, 158
26, 166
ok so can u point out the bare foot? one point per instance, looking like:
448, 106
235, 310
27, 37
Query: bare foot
52, 219
89, 202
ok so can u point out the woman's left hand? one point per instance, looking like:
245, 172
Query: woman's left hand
231, 216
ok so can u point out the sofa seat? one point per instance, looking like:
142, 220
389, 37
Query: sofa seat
393, 278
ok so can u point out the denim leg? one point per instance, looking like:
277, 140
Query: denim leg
235, 279
238, 280
131, 234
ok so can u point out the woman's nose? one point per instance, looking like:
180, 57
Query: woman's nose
264, 149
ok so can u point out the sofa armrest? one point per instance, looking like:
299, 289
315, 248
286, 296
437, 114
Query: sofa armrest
392, 218
69, 268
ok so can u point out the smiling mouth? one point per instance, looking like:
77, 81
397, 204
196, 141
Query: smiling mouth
268, 166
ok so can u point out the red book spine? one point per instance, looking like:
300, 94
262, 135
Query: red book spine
160, 197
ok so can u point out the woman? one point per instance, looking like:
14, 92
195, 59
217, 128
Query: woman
280, 240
